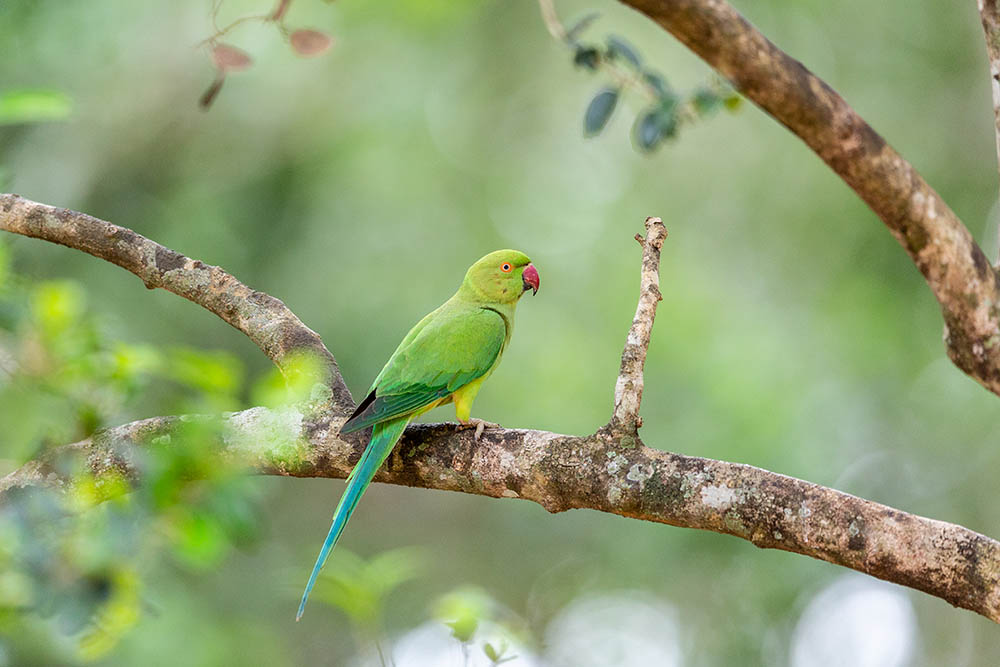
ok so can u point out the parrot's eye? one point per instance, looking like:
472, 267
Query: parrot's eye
505, 267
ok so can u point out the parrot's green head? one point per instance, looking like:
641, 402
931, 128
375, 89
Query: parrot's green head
502, 276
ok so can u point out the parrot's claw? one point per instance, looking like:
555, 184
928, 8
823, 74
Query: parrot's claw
480, 425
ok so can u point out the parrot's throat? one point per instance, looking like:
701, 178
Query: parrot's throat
469, 291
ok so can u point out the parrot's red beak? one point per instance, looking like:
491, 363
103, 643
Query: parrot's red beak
530, 279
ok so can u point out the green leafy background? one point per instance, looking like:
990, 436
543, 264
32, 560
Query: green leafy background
794, 333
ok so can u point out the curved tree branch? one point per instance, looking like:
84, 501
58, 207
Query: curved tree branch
263, 318
965, 284
614, 474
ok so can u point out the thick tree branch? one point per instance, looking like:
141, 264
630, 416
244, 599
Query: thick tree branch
264, 319
954, 266
628, 388
613, 474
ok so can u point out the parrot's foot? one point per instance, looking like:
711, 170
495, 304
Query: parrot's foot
480, 425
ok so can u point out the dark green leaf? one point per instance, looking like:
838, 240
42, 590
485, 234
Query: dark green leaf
587, 56
599, 111
658, 83
706, 101
654, 126
619, 48
669, 104
668, 123
647, 131
578, 26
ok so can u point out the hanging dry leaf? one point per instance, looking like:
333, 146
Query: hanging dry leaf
230, 59
310, 43
209, 95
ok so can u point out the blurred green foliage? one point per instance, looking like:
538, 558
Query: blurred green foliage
31, 106
465, 610
74, 562
359, 588
357, 187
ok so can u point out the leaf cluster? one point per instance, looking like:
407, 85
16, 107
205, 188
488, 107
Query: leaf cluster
664, 108
227, 58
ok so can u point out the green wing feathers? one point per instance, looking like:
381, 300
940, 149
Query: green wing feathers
449, 348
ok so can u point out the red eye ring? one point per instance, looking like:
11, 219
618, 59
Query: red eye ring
505, 267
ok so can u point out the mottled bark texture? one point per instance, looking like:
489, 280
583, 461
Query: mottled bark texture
965, 284
628, 388
607, 473
264, 319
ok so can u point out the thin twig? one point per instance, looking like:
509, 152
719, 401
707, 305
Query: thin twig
270, 17
623, 77
551, 19
628, 388
281, 10
990, 15
216, 8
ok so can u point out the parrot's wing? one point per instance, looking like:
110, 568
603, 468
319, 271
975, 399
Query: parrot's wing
449, 351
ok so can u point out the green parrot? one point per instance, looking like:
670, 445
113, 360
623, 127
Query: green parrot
443, 359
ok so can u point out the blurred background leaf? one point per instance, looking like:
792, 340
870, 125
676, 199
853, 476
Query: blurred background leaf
31, 106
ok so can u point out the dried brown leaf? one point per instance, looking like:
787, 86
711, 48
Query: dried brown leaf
228, 58
310, 43
206, 99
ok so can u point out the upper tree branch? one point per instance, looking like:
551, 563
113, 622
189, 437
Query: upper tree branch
628, 388
263, 318
954, 266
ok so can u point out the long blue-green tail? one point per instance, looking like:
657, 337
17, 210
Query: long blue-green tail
384, 437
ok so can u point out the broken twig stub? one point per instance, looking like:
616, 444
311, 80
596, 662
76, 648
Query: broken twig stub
628, 388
